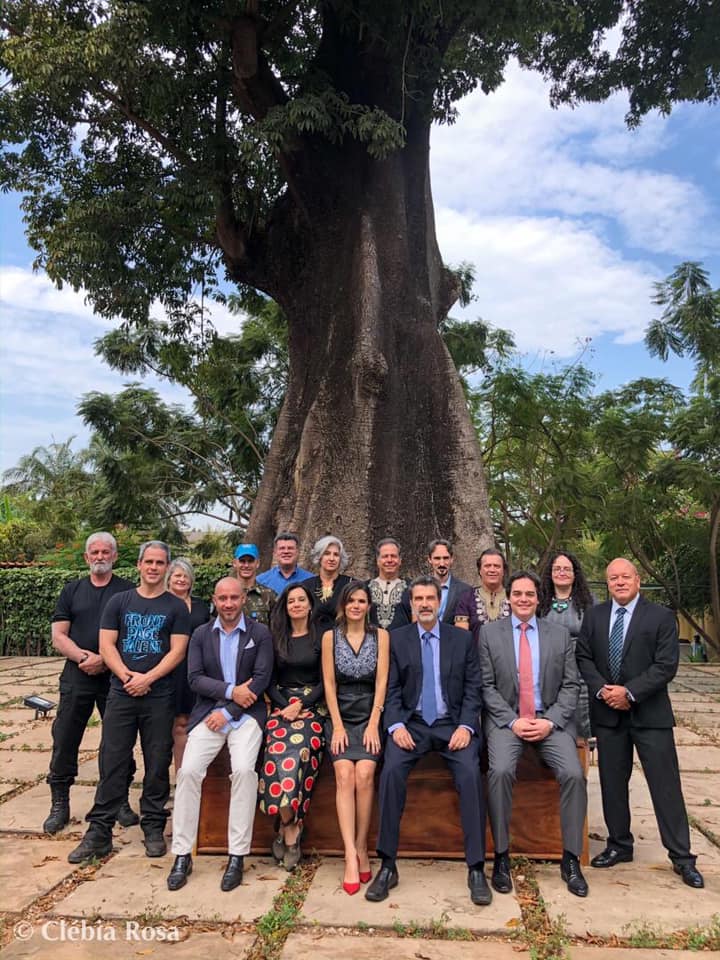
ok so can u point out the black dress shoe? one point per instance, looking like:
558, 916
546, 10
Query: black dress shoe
610, 856
480, 892
573, 876
690, 875
181, 870
501, 877
233, 874
386, 879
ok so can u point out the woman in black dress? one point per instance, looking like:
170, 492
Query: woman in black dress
294, 733
180, 579
355, 659
330, 560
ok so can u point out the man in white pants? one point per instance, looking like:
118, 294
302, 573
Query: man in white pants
230, 662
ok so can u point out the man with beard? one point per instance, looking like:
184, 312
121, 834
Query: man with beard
85, 678
440, 560
433, 704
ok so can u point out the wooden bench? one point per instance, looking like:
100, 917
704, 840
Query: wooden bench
430, 825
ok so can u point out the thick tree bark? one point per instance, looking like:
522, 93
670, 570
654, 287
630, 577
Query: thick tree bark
374, 438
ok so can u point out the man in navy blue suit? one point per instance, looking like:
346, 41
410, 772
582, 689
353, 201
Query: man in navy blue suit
433, 704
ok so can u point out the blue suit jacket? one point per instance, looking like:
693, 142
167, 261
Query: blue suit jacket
254, 660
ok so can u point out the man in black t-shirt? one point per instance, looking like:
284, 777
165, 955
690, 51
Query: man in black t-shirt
143, 637
85, 678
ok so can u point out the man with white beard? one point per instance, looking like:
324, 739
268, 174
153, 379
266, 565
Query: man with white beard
85, 679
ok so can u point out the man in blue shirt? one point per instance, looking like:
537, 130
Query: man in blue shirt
230, 662
286, 550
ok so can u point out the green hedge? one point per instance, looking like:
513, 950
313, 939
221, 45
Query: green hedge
28, 596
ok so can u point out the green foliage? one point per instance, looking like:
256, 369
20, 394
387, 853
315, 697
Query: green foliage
28, 597
21, 540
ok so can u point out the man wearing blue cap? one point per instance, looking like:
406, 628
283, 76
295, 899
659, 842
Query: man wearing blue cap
259, 600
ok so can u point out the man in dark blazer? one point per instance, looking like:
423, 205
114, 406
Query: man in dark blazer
230, 662
530, 691
433, 704
440, 560
628, 653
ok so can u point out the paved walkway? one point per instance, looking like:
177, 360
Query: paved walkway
122, 908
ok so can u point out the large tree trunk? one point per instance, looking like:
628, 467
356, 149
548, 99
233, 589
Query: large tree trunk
374, 438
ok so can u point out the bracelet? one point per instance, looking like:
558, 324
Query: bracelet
379, 707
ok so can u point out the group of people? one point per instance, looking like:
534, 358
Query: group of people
291, 664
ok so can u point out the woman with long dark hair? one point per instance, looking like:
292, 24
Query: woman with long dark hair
355, 660
564, 598
294, 733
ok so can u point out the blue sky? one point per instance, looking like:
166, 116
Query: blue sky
567, 216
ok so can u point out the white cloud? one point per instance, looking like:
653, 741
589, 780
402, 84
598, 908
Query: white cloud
519, 156
549, 280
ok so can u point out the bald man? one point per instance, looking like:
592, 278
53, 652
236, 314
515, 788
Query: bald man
628, 653
230, 662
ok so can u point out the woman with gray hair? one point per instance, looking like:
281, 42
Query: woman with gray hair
180, 580
330, 559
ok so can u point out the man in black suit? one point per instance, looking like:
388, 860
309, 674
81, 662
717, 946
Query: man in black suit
433, 704
230, 663
530, 691
628, 653
440, 561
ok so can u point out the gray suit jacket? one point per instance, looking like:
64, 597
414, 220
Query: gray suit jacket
559, 679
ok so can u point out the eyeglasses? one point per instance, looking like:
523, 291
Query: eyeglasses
562, 569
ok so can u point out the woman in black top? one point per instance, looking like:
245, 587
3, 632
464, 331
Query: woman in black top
294, 733
180, 580
330, 559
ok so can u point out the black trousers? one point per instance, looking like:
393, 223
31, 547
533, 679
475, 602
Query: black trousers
465, 768
658, 758
77, 702
125, 717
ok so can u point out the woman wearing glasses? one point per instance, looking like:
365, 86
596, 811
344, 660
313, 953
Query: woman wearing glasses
564, 598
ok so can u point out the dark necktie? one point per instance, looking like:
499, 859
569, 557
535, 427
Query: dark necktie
616, 644
429, 702
526, 691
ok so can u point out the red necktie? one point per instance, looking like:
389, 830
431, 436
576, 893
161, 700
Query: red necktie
526, 700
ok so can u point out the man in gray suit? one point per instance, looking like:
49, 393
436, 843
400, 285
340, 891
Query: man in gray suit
530, 689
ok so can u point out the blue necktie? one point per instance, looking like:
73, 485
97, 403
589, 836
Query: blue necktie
429, 703
616, 644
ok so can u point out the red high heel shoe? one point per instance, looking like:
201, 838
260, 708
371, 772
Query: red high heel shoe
365, 877
350, 888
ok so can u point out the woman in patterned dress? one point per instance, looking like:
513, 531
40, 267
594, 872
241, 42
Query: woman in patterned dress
355, 660
294, 733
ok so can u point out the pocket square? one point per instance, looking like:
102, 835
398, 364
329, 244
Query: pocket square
250, 644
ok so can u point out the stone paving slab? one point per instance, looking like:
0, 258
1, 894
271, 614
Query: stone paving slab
708, 816
429, 891
7, 786
688, 738
23, 765
700, 759
38, 736
628, 896
131, 885
27, 812
122, 942
631, 953
30, 868
21, 716
699, 787
321, 945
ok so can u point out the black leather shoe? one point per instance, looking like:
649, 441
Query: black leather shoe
501, 876
480, 892
59, 815
126, 816
573, 876
610, 856
690, 875
181, 870
233, 874
155, 845
90, 847
386, 879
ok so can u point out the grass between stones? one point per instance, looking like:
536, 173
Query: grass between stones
545, 938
